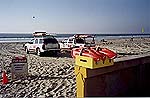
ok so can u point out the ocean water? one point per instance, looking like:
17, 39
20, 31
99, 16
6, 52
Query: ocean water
8, 37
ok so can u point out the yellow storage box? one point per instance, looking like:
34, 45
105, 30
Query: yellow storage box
89, 62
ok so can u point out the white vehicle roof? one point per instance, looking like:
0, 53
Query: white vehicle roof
42, 34
83, 36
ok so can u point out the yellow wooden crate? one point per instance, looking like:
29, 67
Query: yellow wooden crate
89, 62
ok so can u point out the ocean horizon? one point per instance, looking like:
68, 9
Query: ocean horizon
21, 37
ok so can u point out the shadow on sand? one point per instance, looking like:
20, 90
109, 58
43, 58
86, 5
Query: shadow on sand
60, 54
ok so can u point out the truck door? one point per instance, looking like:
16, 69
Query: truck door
70, 43
65, 43
33, 46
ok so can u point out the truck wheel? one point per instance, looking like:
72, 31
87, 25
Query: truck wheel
26, 49
38, 52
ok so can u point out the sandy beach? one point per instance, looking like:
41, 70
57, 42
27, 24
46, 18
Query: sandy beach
54, 76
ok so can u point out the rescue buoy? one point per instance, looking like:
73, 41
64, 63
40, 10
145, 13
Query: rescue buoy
105, 51
103, 56
96, 53
82, 51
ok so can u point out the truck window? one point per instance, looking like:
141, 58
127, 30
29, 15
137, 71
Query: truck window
31, 41
65, 41
50, 40
40, 41
36, 41
79, 40
70, 40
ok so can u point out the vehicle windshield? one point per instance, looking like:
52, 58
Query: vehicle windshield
90, 41
50, 40
79, 40
85, 40
64, 41
31, 41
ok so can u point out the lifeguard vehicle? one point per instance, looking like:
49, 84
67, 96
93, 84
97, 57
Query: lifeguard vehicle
78, 40
42, 42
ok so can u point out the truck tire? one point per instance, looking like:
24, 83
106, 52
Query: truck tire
26, 49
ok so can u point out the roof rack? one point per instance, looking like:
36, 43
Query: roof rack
83, 35
37, 34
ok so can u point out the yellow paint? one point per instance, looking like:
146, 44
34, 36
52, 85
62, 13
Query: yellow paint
81, 65
81, 74
82, 70
88, 62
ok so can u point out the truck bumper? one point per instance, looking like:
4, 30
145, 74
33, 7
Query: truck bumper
52, 50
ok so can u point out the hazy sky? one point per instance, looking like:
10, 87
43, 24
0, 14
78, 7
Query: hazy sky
74, 15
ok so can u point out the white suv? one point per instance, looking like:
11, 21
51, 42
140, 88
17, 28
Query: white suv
41, 43
78, 40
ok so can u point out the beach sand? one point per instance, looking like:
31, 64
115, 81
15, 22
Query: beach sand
54, 76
